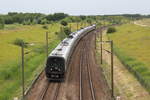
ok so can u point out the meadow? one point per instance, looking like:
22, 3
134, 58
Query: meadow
35, 56
10, 56
133, 49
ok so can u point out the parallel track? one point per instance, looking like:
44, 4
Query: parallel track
44, 93
90, 80
80, 82
56, 92
84, 59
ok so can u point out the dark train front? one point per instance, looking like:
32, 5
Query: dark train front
55, 68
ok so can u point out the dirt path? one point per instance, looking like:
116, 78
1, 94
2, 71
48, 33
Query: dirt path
136, 23
81, 64
126, 84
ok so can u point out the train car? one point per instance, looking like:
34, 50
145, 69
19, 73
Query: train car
58, 59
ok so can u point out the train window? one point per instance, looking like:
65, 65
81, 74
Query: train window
65, 43
55, 61
59, 49
70, 36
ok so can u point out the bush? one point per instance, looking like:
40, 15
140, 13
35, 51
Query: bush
67, 30
19, 42
45, 26
64, 23
111, 30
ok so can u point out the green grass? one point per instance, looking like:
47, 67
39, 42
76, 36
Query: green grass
132, 47
10, 55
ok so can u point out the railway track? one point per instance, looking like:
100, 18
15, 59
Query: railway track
84, 58
46, 93
90, 80
81, 81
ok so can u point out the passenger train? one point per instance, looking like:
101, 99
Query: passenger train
58, 59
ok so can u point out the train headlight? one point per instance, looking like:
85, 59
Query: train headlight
59, 69
56, 68
51, 69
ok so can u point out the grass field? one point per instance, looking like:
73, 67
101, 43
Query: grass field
132, 47
10, 55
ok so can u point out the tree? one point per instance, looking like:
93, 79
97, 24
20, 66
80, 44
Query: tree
28, 22
59, 16
83, 17
1, 23
56, 16
89, 21
44, 21
64, 23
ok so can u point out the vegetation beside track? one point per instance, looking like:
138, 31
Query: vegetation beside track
132, 48
126, 86
10, 55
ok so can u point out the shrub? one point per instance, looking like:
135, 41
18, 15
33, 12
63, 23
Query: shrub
45, 26
56, 33
64, 23
67, 30
111, 30
19, 42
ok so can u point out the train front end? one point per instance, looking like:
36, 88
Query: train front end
55, 68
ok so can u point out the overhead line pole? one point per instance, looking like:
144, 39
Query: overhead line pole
77, 25
47, 44
70, 28
95, 40
112, 69
22, 54
112, 66
101, 48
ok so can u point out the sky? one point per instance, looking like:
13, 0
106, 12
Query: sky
77, 7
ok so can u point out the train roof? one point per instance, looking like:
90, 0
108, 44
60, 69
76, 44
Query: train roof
63, 48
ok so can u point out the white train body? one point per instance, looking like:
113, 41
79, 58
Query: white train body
58, 59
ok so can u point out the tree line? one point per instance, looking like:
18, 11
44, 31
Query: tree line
39, 18
33, 18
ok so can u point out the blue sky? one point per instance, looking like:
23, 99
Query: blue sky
77, 7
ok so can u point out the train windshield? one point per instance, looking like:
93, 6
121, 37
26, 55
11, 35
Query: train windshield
56, 62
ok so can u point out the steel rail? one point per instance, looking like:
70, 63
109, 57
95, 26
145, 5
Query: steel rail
90, 78
81, 59
45, 91
57, 91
